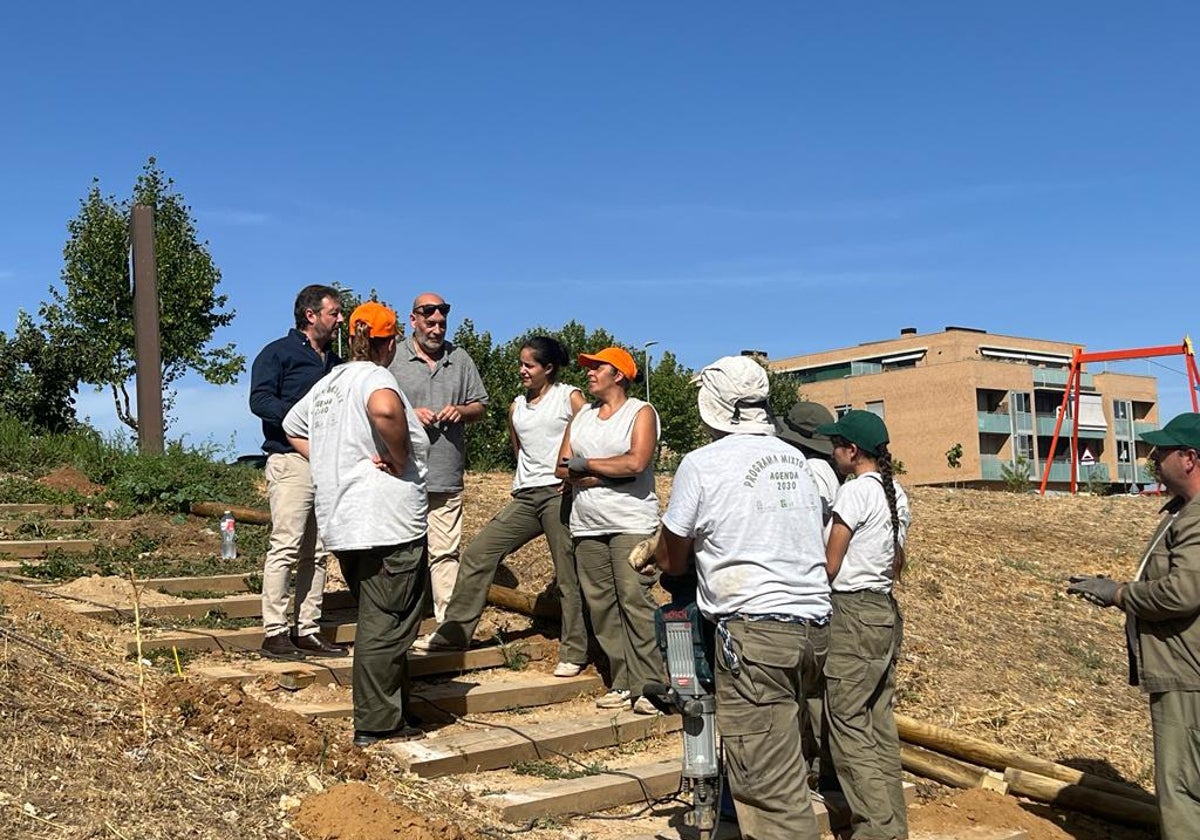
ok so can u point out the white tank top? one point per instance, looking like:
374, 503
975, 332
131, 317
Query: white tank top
539, 429
628, 507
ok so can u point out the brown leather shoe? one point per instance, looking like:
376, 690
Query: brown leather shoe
314, 645
280, 646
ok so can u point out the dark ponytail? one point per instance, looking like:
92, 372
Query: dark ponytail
883, 460
548, 353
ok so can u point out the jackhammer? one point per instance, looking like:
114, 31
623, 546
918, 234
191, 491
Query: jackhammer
686, 643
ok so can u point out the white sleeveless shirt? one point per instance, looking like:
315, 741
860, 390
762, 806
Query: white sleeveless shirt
628, 507
539, 429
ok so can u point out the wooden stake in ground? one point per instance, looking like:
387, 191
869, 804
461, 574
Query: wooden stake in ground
137, 630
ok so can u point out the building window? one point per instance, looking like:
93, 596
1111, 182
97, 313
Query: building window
842, 410
876, 408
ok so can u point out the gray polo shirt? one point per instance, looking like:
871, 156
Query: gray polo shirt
454, 380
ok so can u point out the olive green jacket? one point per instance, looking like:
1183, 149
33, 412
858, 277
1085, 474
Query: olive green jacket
1162, 607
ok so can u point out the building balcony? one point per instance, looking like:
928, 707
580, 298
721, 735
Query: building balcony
992, 469
1057, 378
1140, 427
1000, 424
1123, 429
1045, 428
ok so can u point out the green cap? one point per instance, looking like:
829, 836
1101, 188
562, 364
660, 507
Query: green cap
862, 428
1183, 430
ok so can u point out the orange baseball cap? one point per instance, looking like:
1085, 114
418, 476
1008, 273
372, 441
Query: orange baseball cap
615, 356
380, 321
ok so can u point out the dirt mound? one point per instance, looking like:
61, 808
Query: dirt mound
67, 479
355, 811
972, 808
47, 618
234, 724
113, 591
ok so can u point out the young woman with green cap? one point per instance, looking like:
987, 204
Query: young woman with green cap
864, 557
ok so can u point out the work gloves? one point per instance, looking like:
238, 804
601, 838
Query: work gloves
1098, 589
576, 464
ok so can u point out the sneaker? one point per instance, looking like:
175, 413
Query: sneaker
568, 669
615, 699
279, 646
643, 706
434, 643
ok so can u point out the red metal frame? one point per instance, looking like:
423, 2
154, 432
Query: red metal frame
1072, 392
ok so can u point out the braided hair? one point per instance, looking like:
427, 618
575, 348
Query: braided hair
360, 342
883, 460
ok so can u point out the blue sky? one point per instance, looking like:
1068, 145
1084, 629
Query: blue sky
785, 176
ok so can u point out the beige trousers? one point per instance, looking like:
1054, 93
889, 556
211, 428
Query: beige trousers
294, 545
445, 539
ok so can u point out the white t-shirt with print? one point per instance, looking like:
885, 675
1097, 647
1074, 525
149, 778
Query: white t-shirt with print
357, 504
862, 505
752, 507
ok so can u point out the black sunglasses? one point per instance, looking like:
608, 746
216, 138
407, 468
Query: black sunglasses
427, 309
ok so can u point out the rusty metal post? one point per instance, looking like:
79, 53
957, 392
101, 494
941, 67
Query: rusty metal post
147, 351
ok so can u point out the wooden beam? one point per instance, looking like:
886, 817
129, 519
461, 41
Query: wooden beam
489, 749
337, 626
586, 794
338, 671
35, 510
202, 583
233, 606
252, 516
34, 549
70, 525
833, 806
442, 701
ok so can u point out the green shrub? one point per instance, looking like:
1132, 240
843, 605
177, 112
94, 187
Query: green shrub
172, 481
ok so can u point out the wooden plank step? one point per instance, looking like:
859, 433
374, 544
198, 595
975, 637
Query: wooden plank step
31, 549
975, 833
35, 510
62, 524
586, 794
440, 701
233, 606
488, 748
338, 671
205, 583
823, 808
337, 626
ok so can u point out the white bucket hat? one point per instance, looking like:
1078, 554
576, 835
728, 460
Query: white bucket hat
733, 396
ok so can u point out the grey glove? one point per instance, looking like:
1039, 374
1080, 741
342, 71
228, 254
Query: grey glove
1098, 589
577, 464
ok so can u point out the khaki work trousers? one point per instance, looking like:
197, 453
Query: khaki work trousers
1175, 721
759, 718
860, 687
622, 610
294, 545
445, 539
389, 585
533, 512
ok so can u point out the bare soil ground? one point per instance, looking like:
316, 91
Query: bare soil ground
993, 649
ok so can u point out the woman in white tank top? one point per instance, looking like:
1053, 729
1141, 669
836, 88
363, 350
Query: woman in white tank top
607, 456
536, 422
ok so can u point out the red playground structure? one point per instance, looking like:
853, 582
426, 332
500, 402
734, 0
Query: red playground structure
1072, 392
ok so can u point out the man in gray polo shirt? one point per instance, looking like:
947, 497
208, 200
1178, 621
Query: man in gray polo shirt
443, 384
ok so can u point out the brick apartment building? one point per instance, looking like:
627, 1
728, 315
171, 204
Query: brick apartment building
997, 395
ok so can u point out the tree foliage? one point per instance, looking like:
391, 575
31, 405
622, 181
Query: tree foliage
91, 318
37, 380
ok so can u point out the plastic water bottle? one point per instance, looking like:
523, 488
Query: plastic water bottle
228, 537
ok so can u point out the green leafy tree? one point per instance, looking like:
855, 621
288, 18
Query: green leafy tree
954, 459
91, 318
37, 381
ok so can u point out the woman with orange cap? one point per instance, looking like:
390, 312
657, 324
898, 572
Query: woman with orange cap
367, 451
607, 456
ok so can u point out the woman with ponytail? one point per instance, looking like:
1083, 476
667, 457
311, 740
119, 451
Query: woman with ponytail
864, 556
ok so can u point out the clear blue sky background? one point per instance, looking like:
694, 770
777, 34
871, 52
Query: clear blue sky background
785, 176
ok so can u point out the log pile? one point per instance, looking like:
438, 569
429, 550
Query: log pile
934, 752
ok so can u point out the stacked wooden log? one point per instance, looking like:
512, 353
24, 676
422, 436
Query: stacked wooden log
962, 761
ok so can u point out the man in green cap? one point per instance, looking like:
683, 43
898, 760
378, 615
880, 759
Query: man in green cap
1162, 625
